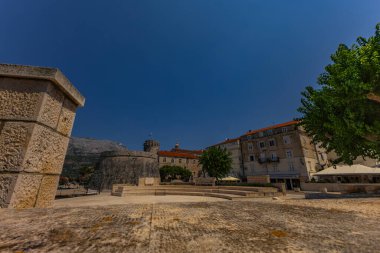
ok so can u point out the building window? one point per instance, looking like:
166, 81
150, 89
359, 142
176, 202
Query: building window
291, 167
250, 146
262, 144
274, 156
286, 139
275, 167
172, 160
272, 143
284, 129
269, 132
262, 157
180, 160
289, 154
251, 158
261, 134
164, 159
187, 160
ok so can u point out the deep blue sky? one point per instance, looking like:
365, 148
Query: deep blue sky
197, 71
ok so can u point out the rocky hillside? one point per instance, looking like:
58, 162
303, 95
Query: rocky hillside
85, 152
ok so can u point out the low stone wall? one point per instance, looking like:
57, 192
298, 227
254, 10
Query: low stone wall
149, 181
264, 179
338, 187
205, 181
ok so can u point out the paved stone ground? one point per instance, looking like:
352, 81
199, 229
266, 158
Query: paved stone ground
289, 225
104, 199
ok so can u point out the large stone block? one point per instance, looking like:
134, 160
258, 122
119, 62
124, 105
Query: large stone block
21, 99
51, 107
31, 147
46, 151
47, 191
31, 100
66, 118
25, 191
14, 138
7, 185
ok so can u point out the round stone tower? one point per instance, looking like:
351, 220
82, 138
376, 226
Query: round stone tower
151, 146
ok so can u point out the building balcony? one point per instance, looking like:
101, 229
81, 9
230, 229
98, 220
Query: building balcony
268, 160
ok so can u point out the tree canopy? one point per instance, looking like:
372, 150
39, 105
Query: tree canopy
168, 173
216, 162
344, 114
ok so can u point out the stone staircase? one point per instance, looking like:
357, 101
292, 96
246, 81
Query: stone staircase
225, 192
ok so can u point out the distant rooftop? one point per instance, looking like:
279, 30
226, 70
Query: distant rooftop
289, 123
177, 154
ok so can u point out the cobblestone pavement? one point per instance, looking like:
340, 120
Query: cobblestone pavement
228, 226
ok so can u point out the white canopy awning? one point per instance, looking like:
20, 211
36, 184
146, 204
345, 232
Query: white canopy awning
230, 179
356, 169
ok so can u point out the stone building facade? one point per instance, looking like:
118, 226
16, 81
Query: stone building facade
188, 159
284, 152
234, 148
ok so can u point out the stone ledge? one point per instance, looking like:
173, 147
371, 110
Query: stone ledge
51, 74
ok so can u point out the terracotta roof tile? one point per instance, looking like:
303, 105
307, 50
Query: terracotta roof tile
177, 154
293, 122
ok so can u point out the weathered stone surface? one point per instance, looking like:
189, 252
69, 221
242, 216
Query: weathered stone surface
7, 184
42, 73
46, 151
84, 152
25, 191
51, 107
46, 194
31, 148
298, 225
21, 98
124, 167
13, 143
66, 118
37, 111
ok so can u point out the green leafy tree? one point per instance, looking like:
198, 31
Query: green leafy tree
63, 180
85, 173
168, 173
344, 114
216, 162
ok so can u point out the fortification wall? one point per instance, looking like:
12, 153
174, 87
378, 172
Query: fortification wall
124, 167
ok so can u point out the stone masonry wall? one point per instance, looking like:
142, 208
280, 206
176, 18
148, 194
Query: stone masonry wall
37, 112
124, 167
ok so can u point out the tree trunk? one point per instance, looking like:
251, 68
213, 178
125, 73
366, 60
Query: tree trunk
374, 97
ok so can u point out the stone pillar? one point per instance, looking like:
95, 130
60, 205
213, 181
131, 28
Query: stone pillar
37, 111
